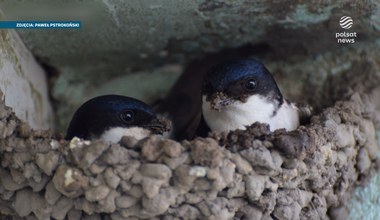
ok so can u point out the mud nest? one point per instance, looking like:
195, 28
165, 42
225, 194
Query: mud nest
252, 174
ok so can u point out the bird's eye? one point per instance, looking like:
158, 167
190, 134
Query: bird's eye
250, 84
127, 116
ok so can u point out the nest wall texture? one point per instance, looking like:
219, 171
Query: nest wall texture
252, 174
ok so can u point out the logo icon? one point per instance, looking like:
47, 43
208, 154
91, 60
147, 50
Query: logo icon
346, 22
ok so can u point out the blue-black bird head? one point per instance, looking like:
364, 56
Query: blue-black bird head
238, 80
113, 111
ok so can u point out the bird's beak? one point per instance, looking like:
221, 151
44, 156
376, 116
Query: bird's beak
159, 125
219, 100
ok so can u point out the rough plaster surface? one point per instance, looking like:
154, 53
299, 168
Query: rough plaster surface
365, 201
23, 82
129, 33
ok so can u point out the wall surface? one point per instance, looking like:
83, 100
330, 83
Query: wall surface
23, 82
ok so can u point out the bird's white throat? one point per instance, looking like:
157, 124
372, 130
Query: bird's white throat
257, 108
115, 134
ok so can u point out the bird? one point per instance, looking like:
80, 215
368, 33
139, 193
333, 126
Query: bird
110, 117
238, 93
182, 104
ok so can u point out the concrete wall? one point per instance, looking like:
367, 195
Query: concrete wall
23, 82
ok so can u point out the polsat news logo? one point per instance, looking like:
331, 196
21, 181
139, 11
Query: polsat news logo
346, 22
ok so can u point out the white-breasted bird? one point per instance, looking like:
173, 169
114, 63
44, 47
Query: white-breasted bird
238, 93
110, 117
